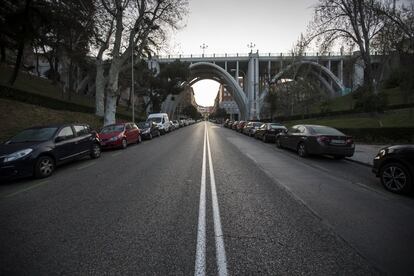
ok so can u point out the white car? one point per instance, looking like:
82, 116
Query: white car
162, 121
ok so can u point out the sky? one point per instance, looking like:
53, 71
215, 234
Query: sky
227, 26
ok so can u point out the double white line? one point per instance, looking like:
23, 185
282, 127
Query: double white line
200, 264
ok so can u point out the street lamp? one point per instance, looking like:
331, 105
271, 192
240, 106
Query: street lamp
251, 45
204, 47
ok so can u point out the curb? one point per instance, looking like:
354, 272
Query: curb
358, 162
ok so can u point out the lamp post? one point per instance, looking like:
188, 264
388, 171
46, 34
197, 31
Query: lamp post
132, 82
251, 45
204, 47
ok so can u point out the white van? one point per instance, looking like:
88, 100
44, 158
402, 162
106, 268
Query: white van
162, 121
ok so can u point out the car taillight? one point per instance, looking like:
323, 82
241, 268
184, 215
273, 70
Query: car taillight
323, 140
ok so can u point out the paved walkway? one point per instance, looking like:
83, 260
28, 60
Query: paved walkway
365, 154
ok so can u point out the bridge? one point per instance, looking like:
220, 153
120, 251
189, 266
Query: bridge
249, 76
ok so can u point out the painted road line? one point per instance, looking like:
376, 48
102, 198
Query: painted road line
218, 232
28, 188
200, 263
86, 165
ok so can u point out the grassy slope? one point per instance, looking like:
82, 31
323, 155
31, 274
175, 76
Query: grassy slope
44, 87
397, 118
15, 116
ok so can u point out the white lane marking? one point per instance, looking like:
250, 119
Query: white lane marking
220, 250
200, 264
86, 165
28, 188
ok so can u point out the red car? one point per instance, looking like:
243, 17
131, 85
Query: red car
119, 135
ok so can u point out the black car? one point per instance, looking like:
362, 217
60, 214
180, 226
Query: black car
251, 127
38, 150
394, 165
149, 130
318, 140
267, 132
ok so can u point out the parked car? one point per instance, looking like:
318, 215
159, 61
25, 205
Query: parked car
240, 126
119, 135
394, 165
228, 123
176, 124
37, 151
251, 127
162, 120
149, 130
234, 125
316, 139
267, 132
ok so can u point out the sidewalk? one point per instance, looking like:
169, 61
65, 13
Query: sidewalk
364, 154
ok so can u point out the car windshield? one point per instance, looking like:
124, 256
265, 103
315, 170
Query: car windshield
143, 125
323, 130
113, 128
154, 119
34, 135
276, 126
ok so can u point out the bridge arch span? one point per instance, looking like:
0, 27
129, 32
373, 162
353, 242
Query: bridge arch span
207, 70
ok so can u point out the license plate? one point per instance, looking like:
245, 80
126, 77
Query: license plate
338, 142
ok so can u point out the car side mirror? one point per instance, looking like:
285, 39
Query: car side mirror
59, 139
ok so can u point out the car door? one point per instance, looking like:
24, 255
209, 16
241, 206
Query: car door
83, 138
288, 138
129, 133
65, 144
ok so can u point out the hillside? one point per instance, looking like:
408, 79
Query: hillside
15, 116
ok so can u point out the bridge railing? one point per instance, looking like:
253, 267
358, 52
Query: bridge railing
235, 55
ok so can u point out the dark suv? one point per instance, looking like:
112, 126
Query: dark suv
394, 165
38, 150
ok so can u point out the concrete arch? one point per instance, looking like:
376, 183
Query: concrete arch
206, 70
335, 80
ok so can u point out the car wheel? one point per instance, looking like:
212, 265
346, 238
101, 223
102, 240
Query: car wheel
278, 143
124, 143
150, 136
264, 138
159, 133
139, 139
396, 178
95, 151
45, 165
302, 152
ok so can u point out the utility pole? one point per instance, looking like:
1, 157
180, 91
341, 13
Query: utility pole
132, 80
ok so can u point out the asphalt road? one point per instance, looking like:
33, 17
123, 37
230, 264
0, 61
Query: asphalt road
205, 200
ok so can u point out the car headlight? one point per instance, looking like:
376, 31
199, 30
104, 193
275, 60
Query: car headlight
381, 154
17, 155
146, 131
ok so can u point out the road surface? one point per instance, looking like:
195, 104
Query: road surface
205, 200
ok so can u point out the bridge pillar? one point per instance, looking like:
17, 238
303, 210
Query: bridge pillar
252, 86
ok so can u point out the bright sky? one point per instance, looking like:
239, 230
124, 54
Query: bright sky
227, 26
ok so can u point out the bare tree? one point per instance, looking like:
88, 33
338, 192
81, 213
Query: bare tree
137, 23
350, 22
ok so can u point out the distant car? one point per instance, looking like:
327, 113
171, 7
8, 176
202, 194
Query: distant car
234, 125
251, 127
176, 124
119, 135
240, 126
394, 165
149, 130
267, 132
318, 140
228, 123
37, 151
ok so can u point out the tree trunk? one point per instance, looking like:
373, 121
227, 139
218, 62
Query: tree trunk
99, 89
112, 93
18, 62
